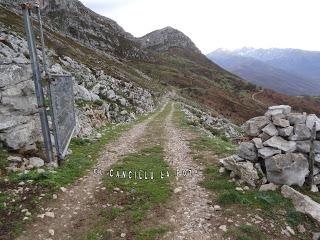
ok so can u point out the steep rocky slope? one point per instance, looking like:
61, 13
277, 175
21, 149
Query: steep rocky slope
100, 98
72, 18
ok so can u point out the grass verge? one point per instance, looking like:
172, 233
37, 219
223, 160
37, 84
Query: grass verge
131, 199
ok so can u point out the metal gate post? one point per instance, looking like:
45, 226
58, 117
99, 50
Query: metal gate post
44, 56
26, 7
48, 77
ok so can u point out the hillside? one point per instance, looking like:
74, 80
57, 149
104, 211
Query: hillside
274, 68
75, 20
263, 74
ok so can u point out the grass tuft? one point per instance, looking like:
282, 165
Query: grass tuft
246, 232
219, 146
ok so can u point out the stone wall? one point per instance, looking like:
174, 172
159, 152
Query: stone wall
278, 148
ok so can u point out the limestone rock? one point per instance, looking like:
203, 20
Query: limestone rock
268, 187
285, 132
36, 162
271, 130
281, 109
9, 121
57, 69
289, 169
22, 135
297, 118
247, 150
264, 137
257, 142
14, 159
281, 144
303, 146
81, 92
268, 152
314, 188
316, 179
311, 120
14, 74
254, 126
302, 203
281, 122
245, 170
111, 94
301, 132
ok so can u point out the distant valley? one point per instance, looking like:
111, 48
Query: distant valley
289, 71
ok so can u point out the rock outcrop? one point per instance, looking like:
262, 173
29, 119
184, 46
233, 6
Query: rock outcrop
281, 143
214, 125
99, 98
72, 18
166, 38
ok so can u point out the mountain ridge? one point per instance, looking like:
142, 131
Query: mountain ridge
268, 68
166, 38
178, 67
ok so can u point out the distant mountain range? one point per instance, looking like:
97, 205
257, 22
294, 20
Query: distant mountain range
289, 71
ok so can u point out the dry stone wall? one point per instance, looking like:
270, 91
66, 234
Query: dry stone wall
278, 150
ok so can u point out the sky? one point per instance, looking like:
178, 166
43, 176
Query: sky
229, 24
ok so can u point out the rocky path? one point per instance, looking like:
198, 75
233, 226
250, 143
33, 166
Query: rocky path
61, 215
189, 212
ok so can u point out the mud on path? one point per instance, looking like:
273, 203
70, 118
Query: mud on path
189, 213
75, 203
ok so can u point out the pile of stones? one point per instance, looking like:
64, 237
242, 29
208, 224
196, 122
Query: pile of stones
278, 149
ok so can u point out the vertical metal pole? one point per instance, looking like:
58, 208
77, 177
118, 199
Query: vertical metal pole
312, 154
46, 70
44, 56
37, 82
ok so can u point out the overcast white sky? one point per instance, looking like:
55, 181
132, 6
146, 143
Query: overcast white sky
213, 24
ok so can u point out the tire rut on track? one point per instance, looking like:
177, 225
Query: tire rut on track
189, 212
